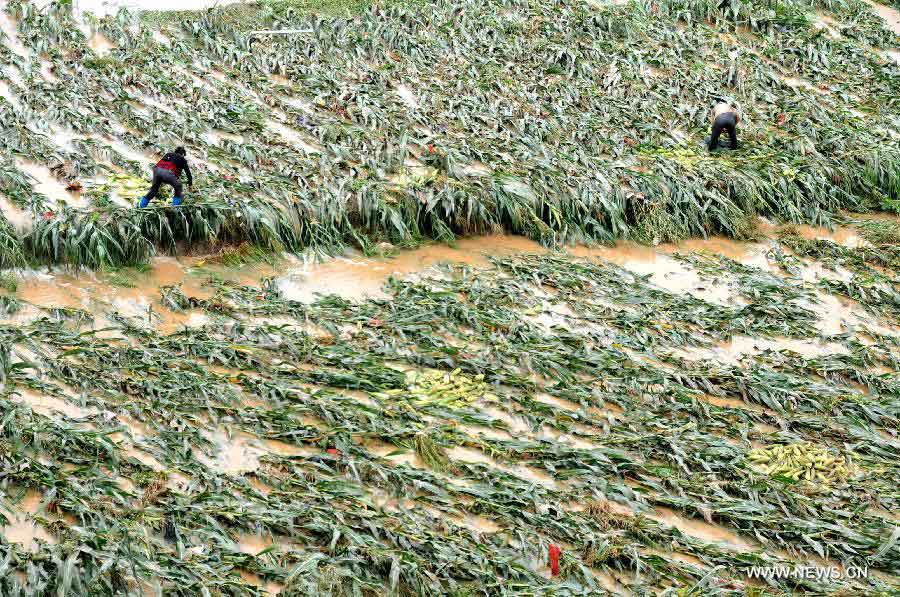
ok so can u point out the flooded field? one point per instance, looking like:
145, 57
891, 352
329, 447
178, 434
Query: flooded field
263, 417
136, 292
288, 386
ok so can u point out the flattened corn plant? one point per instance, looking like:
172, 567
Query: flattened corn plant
440, 440
583, 122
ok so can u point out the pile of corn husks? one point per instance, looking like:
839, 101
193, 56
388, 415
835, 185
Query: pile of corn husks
799, 462
454, 389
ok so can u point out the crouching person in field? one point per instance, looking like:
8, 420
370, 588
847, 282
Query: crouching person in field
725, 117
168, 170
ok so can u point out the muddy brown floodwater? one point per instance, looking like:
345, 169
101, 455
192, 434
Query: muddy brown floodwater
136, 293
22, 528
890, 15
358, 277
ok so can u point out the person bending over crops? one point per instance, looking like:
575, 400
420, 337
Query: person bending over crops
168, 170
724, 118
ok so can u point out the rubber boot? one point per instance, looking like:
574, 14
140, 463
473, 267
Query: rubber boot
176, 201
144, 202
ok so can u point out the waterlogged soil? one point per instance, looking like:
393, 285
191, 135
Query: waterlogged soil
22, 528
357, 277
235, 440
267, 384
890, 15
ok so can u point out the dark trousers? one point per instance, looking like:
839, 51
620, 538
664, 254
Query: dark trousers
160, 176
724, 122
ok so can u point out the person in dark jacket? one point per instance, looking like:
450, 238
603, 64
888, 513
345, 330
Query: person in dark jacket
725, 117
168, 170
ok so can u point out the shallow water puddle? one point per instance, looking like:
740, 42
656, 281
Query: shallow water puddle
813, 271
136, 428
22, 528
20, 219
384, 501
173, 321
217, 136
675, 555
268, 587
293, 137
63, 138
45, 183
130, 293
387, 451
571, 440
890, 15
285, 449
126, 151
553, 315
731, 352
101, 44
744, 252
234, 453
486, 432
476, 169
477, 523
663, 270
143, 457
516, 424
7, 94
837, 313
558, 402
407, 96
732, 403
47, 72
240, 452
299, 103
823, 22
702, 530
50, 405
8, 27
102, 8
258, 485
358, 278
526, 473
798, 82
253, 544
842, 235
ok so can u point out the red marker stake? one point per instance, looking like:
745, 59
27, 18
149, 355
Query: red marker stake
554, 560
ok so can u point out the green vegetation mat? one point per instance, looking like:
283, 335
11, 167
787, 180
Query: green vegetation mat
438, 441
560, 121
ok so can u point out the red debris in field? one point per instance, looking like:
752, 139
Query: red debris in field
48, 215
74, 186
333, 451
554, 559
781, 120
431, 149
375, 322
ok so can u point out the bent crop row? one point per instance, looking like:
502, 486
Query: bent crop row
439, 440
395, 124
